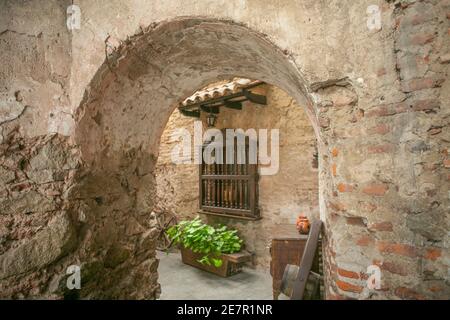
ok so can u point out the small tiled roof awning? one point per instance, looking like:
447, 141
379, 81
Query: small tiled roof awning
230, 94
220, 89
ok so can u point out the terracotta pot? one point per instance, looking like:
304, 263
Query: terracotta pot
303, 224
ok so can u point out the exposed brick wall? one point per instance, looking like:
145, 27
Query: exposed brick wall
397, 220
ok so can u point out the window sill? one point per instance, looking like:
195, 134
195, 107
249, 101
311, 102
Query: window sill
230, 216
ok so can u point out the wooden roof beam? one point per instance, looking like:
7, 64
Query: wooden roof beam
255, 98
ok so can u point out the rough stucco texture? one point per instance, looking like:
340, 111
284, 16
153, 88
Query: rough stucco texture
82, 113
282, 197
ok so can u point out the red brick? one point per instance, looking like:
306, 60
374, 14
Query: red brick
385, 110
397, 248
416, 19
425, 105
434, 131
393, 268
380, 148
355, 221
430, 167
337, 206
52, 193
368, 206
344, 100
420, 84
422, 60
342, 187
364, 241
422, 38
381, 72
446, 163
436, 289
345, 286
375, 189
348, 273
335, 297
408, 294
333, 268
381, 129
333, 169
377, 262
433, 253
381, 226
334, 152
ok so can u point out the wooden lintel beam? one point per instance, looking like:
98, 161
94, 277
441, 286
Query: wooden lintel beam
255, 98
190, 113
207, 109
237, 105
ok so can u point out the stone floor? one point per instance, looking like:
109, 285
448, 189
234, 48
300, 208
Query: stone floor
182, 282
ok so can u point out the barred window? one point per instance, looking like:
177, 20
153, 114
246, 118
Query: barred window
229, 189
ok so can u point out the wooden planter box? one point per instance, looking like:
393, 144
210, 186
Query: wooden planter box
232, 263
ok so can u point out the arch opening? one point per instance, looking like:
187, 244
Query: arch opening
286, 187
121, 120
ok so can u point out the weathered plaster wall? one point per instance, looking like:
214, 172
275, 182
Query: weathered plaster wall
378, 99
282, 197
176, 184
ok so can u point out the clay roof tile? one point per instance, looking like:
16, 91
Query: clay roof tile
216, 90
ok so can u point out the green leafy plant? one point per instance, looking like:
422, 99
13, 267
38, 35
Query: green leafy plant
206, 239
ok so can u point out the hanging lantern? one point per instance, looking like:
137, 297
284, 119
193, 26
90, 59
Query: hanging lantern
211, 120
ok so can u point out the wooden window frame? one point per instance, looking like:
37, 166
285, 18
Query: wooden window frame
229, 190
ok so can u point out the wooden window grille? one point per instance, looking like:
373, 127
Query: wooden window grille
229, 189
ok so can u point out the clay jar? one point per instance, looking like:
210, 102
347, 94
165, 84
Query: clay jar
302, 224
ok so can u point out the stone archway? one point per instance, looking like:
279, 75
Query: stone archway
379, 113
125, 111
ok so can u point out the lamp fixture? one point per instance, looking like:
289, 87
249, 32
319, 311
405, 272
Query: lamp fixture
211, 120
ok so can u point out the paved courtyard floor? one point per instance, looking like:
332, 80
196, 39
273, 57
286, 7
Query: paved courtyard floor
180, 281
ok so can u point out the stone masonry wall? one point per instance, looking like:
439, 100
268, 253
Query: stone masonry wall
282, 197
53, 213
82, 112
388, 199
